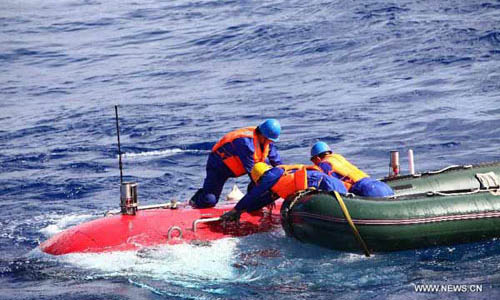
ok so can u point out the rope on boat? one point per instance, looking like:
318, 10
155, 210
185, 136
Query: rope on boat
439, 193
299, 195
288, 206
450, 167
351, 224
495, 192
489, 182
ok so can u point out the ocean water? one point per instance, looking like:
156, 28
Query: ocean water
365, 76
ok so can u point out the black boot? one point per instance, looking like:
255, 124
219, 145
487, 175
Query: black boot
192, 201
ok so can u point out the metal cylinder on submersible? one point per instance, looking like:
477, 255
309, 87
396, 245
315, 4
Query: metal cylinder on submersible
128, 198
411, 162
394, 165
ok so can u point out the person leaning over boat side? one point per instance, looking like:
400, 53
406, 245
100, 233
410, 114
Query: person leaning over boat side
355, 180
281, 182
234, 155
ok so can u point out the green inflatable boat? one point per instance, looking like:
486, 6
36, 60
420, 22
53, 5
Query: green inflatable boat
458, 204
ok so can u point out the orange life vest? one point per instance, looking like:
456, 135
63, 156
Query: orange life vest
290, 183
233, 162
350, 173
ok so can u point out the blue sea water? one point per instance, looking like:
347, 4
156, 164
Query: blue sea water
365, 76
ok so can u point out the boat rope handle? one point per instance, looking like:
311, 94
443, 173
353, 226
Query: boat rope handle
451, 193
299, 195
448, 168
351, 224
495, 192
489, 180
286, 212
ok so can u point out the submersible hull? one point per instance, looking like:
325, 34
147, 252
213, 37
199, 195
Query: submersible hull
158, 226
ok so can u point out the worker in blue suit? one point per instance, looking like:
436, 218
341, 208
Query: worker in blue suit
355, 180
281, 182
234, 155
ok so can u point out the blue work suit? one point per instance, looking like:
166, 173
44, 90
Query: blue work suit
366, 187
261, 195
369, 187
218, 173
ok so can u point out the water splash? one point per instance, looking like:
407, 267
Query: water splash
183, 264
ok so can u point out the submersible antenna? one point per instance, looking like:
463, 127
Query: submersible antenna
119, 150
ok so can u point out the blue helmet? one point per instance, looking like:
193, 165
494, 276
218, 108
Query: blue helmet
319, 148
270, 129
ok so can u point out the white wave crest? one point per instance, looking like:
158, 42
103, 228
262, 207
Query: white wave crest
166, 152
63, 222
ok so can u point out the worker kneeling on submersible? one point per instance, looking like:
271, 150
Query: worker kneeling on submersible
235, 155
355, 180
281, 182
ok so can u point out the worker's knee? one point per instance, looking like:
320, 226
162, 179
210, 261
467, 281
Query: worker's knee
369, 187
203, 200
